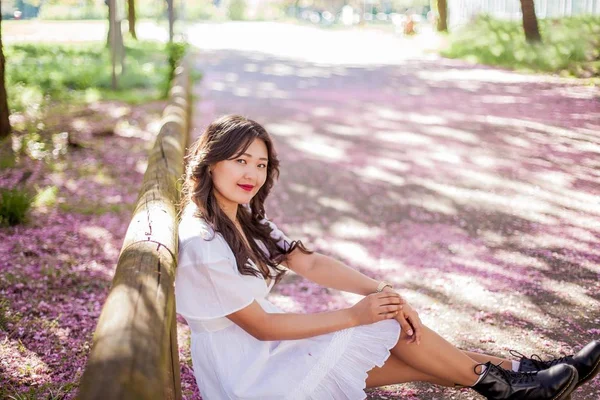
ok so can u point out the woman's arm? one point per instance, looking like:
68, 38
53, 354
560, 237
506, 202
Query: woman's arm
289, 326
329, 272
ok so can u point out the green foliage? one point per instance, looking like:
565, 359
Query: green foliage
4, 315
204, 10
570, 46
46, 392
42, 73
14, 204
46, 197
237, 10
73, 12
176, 51
92, 208
7, 156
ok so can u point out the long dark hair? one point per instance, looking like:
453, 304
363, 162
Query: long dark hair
227, 138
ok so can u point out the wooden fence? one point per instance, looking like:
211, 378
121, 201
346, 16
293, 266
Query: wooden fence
462, 11
134, 353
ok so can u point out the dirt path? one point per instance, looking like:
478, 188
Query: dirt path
475, 190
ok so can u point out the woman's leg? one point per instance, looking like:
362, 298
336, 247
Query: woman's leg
395, 371
437, 361
437, 358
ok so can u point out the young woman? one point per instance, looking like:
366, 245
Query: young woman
244, 347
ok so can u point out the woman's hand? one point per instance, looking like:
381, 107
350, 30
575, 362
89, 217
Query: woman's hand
377, 307
409, 320
411, 323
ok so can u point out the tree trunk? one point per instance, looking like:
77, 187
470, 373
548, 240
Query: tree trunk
171, 11
4, 122
442, 25
131, 18
109, 33
530, 24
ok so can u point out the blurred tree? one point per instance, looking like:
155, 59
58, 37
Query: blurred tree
442, 24
171, 12
4, 122
131, 17
530, 23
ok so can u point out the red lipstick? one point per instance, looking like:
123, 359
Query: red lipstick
247, 188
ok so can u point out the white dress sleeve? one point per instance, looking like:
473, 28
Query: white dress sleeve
208, 286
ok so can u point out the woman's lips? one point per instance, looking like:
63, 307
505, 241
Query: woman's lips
247, 188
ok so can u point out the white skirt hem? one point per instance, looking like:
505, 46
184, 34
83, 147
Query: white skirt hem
341, 372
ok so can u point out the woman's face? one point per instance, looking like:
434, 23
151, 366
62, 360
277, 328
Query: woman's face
236, 181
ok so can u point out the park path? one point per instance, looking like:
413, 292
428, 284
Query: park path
473, 189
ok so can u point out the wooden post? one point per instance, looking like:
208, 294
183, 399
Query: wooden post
134, 352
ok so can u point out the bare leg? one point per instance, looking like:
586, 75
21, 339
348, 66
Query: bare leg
395, 371
437, 358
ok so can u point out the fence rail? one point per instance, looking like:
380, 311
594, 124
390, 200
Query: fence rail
462, 11
134, 353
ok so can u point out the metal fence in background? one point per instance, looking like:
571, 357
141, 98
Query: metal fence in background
462, 11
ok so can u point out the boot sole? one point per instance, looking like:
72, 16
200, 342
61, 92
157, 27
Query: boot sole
565, 393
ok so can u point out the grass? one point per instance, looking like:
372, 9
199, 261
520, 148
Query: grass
38, 74
36, 393
93, 208
14, 204
570, 47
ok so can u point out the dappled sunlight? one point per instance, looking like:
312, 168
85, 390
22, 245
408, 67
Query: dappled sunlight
351, 250
320, 147
375, 173
433, 204
531, 210
403, 138
473, 190
408, 116
21, 365
472, 75
98, 269
103, 235
343, 130
457, 134
571, 293
502, 99
290, 128
337, 204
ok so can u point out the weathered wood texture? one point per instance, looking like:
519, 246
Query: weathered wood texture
134, 352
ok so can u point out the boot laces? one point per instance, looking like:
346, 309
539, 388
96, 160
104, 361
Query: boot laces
511, 377
537, 361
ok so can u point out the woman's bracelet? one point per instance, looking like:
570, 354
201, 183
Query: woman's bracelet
382, 285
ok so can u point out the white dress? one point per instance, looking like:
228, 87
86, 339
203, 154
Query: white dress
229, 363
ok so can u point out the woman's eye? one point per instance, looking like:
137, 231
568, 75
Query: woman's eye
241, 161
262, 165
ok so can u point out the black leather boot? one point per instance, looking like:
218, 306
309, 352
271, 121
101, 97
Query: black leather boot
587, 362
554, 383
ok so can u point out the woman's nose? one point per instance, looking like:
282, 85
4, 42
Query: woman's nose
250, 173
